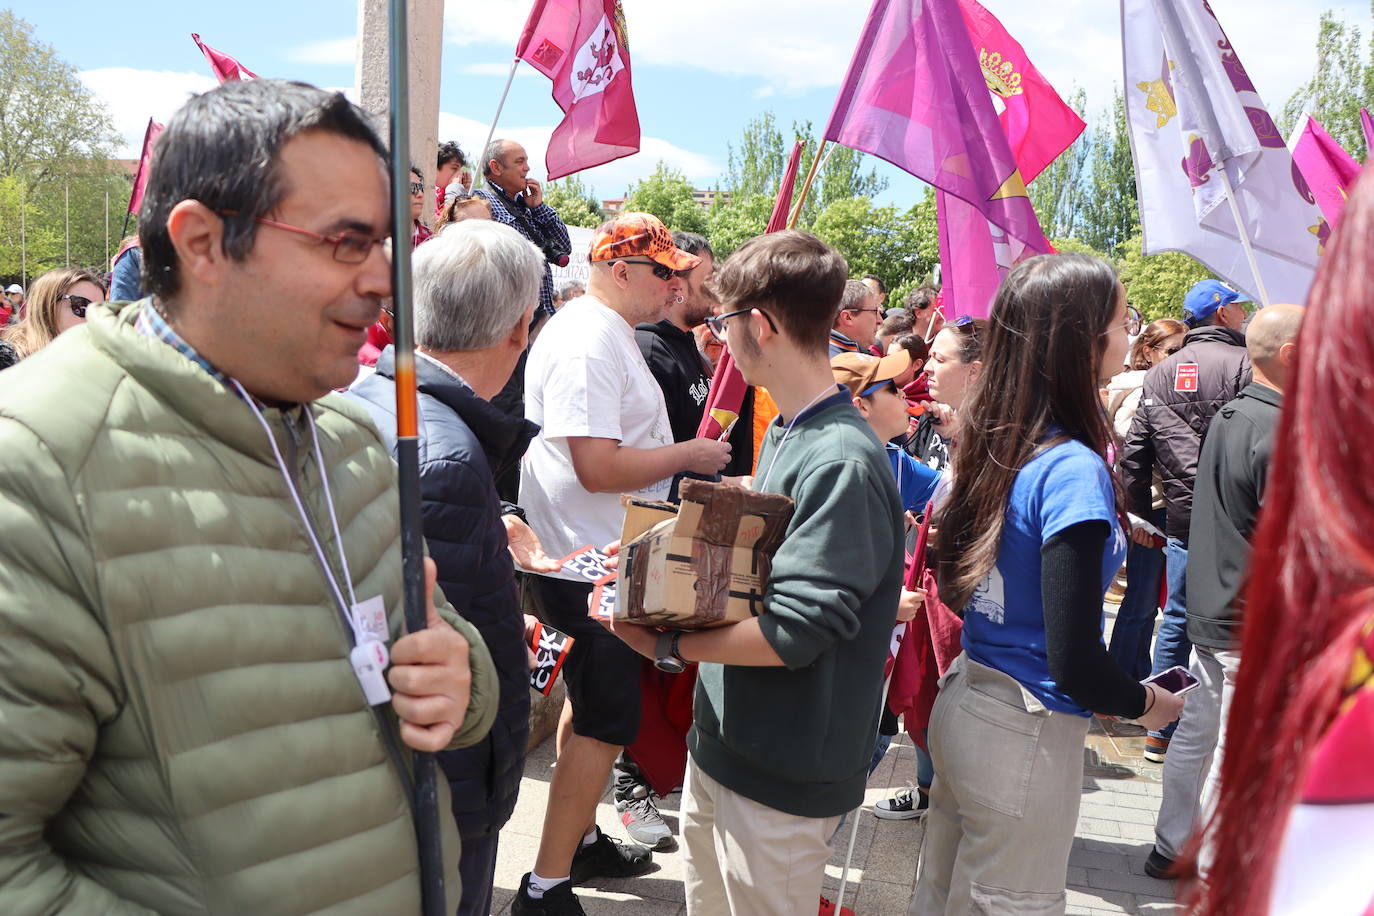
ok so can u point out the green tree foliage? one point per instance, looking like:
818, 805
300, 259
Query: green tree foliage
575, 203
55, 168
1156, 283
756, 167
900, 247
1108, 212
731, 225
667, 194
1057, 193
1342, 82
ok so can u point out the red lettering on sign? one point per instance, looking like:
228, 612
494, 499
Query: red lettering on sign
1185, 377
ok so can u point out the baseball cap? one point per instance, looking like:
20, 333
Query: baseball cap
1206, 297
14, 288
639, 234
859, 371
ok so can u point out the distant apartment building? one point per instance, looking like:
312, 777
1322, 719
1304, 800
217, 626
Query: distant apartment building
706, 198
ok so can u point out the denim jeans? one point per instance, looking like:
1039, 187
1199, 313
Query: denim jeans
1172, 646
1135, 619
925, 769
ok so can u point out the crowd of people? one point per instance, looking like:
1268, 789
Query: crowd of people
211, 703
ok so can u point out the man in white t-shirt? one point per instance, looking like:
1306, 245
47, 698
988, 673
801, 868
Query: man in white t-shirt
604, 432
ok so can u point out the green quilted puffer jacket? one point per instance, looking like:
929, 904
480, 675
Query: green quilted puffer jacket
180, 728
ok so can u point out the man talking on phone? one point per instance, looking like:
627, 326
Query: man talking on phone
518, 201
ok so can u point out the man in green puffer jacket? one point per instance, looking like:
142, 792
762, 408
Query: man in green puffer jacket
188, 523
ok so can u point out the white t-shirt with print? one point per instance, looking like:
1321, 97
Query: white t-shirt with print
585, 377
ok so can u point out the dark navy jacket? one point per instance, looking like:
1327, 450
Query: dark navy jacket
464, 443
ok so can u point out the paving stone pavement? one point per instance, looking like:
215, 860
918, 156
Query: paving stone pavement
1121, 794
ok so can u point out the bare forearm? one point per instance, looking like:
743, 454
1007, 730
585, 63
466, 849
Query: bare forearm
624, 469
740, 644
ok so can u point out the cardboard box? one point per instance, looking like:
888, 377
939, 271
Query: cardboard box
702, 564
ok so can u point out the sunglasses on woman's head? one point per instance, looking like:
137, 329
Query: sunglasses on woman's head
79, 304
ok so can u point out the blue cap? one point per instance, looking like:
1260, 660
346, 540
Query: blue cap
1206, 297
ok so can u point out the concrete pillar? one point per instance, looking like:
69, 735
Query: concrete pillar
426, 54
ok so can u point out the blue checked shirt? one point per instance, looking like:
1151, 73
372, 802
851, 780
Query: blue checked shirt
544, 218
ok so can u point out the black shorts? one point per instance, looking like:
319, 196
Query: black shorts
602, 673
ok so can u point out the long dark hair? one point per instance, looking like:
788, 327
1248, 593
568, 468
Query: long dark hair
1040, 373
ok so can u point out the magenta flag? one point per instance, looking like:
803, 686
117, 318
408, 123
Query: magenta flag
1329, 170
916, 96
1038, 124
969, 272
581, 46
145, 164
226, 68
1368, 125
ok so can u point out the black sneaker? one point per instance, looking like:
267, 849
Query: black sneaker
558, 901
1158, 865
609, 858
909, 803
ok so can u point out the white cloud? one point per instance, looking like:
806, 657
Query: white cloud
810, 44
609, 180
133, 96
325, 51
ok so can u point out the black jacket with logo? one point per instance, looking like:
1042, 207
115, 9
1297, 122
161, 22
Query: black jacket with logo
685, 377
1181, 396
1231, 475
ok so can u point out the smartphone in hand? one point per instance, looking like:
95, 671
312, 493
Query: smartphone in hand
1178, 680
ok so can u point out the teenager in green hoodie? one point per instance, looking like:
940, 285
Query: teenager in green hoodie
787, 702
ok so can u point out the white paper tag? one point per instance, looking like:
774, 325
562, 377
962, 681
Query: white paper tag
369, 621
369, 664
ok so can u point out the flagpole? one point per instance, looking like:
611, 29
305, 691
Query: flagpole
1244, 233
425, 806
806, 185
500, 106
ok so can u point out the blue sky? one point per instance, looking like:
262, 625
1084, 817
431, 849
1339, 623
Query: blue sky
702, 69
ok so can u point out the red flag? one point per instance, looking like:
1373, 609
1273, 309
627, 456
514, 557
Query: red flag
226, 68
783, 206
145, 164
1038, 124
728, 387
581, 46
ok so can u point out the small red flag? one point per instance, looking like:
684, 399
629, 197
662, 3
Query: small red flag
581, 46
226, 68
145, 165
728, 386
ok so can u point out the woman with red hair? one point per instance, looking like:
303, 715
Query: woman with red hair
1293, 830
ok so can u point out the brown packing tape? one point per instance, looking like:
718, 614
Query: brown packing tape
706, 564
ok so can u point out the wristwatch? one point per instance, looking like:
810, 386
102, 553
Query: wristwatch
668, 659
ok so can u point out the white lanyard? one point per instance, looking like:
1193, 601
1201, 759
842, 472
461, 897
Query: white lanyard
788, 431
300, 506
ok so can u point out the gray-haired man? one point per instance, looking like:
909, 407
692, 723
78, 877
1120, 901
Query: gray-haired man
476, 284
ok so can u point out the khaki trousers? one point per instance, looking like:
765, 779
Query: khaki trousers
1004, 805
747, 859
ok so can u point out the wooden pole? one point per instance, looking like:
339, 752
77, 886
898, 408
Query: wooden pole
806, 185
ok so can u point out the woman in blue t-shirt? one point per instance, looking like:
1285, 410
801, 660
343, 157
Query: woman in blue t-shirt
1027, 544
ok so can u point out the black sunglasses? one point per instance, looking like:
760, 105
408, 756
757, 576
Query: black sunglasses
1168, 351
416, 187
716, 323
660, 271
79, 304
